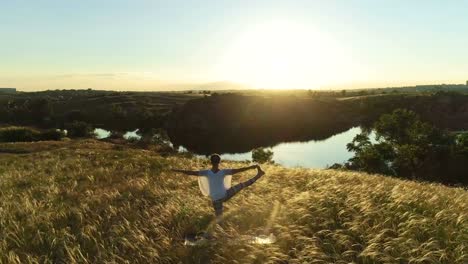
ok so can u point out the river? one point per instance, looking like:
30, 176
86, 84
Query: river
310, 154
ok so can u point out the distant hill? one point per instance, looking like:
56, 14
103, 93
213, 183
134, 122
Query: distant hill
87, 201
421, 88
221, 86
7, 90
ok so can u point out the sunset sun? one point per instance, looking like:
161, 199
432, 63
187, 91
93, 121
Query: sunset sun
282, 55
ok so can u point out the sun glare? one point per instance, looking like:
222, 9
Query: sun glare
282, 55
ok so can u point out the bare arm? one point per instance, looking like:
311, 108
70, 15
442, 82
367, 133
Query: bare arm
234, 171
192, 173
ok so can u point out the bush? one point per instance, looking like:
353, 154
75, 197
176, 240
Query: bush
25, 134
336, 166
79, 129
52, 134
18, 134
262, 155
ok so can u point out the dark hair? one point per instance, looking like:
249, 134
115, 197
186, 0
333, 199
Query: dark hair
215, 159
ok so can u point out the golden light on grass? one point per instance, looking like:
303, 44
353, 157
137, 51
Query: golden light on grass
95, 202
283, 55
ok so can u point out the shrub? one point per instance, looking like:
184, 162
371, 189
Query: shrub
79, 129
25, 134
336, 166
262, 155
52, 134
18, 134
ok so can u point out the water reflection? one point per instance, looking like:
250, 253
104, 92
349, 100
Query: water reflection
129, 135
132, 135
311, 154
101, 133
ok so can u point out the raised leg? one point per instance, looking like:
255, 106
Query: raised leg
238, 187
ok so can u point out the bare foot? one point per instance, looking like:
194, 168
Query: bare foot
260, 172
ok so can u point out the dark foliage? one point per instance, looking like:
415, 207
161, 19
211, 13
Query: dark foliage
235, 123
410, 148
79, 129
110, 110
24, 134
52, 134
18, 134
262, 155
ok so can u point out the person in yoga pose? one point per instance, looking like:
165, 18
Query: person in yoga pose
216, 182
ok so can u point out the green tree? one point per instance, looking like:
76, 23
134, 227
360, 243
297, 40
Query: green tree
372, 158
262, 155
405, 146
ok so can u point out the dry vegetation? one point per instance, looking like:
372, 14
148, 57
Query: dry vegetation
94, 202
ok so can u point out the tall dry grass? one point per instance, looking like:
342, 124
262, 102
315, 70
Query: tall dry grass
93, 202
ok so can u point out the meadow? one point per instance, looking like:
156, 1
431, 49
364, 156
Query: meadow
87, 201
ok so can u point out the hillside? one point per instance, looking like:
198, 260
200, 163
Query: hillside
93, 202
235, 123
108, 109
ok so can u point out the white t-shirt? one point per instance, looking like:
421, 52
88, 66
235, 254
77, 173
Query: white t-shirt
213, 184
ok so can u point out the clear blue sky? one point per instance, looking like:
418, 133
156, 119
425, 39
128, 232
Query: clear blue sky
149, 44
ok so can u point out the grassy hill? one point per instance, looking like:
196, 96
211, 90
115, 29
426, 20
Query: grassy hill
93, 202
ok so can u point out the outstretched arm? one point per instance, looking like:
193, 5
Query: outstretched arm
234, 171
192, 173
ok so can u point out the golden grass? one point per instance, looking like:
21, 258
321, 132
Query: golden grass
93, 202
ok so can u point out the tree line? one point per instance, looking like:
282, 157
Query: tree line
406, 147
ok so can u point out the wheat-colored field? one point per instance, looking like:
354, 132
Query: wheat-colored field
94, 202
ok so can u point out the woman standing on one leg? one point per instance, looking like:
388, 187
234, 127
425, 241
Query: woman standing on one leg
216, 183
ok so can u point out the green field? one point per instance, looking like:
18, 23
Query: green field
85, 201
